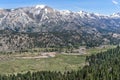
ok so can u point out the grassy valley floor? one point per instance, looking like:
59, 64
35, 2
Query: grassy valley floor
10, 64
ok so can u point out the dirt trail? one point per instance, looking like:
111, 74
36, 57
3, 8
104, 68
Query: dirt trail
42, 55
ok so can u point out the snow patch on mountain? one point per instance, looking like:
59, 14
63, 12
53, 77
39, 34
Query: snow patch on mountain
40, 15
65, 12
116, 15
40, 6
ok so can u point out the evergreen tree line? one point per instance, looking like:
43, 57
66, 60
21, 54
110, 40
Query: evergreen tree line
102, 66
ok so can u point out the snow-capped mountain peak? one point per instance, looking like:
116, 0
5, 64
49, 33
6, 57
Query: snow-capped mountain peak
65, 12
115, 15
40, 6
40, 15
82, 12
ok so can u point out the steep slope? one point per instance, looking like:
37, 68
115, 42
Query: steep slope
55, 28
43, 18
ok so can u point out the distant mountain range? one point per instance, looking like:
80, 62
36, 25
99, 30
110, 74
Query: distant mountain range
64, 28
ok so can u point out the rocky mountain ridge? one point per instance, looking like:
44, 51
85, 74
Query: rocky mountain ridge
43, 18
43, 26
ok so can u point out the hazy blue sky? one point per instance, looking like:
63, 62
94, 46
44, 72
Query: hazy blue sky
98, 6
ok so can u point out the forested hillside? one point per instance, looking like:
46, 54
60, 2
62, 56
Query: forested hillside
20, 41
102, 66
